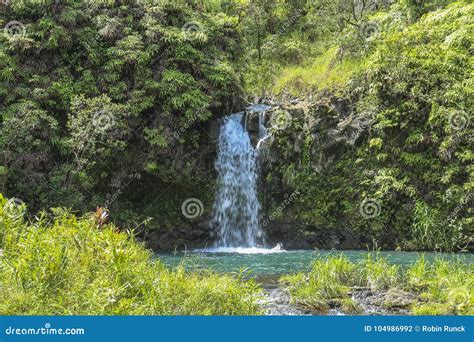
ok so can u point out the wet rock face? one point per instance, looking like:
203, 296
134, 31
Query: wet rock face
293, 235
278, 118
333, 128
330, 121
187, 235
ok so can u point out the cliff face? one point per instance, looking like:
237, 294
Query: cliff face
325, 182
307, 136
333, 129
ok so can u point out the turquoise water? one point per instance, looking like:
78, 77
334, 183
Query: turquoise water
283, 262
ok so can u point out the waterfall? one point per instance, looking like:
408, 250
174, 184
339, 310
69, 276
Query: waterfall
236, 207
263, 134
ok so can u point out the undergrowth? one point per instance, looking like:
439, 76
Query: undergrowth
72, 266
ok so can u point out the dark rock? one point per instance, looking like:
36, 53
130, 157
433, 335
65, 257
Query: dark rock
392, 301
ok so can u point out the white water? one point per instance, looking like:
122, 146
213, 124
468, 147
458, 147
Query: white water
236, 208
243, 250
263, 134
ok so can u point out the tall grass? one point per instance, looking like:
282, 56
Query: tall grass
445, 287
326, 285
66, 266
439, 288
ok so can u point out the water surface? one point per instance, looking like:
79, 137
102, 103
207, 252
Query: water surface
272, 262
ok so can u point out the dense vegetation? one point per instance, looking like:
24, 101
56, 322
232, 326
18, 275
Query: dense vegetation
406, 81
97, 97
439, 288
69, 266
112, 103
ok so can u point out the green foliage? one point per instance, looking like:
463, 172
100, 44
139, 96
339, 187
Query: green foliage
323, 72
413, 91
95, 92
109, 86
70, 266
328, 282
431, 232
379, 274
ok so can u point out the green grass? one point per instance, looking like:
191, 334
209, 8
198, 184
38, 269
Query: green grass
440, 288
326, 285
70, 266
444, 287
326, 71
377, 273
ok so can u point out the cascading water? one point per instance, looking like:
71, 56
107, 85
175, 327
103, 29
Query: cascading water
236, 206
262, 130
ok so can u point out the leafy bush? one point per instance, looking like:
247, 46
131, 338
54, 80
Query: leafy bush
95, 91
409, 97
